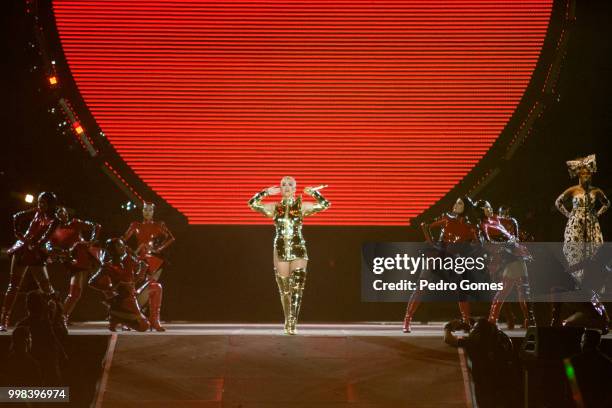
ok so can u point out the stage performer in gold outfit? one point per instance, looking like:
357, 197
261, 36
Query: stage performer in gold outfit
289, 255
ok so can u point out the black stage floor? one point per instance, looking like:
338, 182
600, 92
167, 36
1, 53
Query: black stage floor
326, 365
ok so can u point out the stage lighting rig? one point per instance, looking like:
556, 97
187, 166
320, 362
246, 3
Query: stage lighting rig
78, 129
129, 206
52, 75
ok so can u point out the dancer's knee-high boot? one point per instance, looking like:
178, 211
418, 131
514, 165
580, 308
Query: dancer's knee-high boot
297, 282
155, 301
499, 299
496, 307
124, 310
7, 307
10, 295
555, 309
413, 304
284, 290
526, 305
71, 300
466, 317
509, 315
601, 312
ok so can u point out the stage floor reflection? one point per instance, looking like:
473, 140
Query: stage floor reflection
376, 329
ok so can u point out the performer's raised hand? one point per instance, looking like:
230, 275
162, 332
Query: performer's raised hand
273, 190
310, 190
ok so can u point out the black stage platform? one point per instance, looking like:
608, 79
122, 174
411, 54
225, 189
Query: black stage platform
356, 365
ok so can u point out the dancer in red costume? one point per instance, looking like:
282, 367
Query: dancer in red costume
117, 279
152, 238
511, 225
508, 222
73, 244
508, 260
28, 253
454, 228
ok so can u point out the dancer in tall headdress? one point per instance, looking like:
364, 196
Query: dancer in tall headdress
290, 256
73, 244
508, 262
582, 237
152, 239
454, 228
32, 228
116, 279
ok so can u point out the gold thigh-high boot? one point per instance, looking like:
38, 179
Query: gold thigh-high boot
284, 291
297, 282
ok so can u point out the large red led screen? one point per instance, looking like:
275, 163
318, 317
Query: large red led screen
391, 103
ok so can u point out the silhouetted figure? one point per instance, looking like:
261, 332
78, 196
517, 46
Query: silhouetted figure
20, 368
593, 371
57, 318
46, 348
495, 369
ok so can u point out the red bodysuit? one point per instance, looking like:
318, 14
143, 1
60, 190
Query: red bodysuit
70, 237
510, 224
454, 228
117, 281
127, 272
28, 248
149, 236
495, 231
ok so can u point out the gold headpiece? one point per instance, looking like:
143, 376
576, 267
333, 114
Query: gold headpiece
588, 163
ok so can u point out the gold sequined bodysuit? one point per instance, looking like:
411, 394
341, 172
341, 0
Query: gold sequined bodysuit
288, 216
289, 242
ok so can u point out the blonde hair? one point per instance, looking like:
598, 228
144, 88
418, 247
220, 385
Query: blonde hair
288, 178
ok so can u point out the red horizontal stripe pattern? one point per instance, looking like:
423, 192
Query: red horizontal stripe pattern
391, 102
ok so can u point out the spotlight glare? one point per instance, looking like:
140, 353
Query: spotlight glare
53, 80
29, 198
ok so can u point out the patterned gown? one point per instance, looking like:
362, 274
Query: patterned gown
582, 237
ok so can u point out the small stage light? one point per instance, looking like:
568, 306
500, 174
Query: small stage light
129, 206
29, 198
53, 80
78, 128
